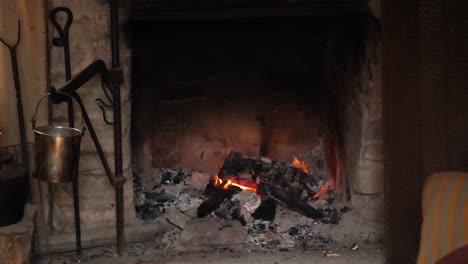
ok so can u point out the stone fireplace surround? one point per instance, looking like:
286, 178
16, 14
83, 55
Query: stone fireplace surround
362, 139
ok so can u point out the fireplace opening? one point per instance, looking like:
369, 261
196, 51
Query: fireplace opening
241, 125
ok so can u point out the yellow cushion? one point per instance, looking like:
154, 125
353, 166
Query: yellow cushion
445, 215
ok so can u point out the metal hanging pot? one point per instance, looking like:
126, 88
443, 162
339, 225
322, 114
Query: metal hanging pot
56, 151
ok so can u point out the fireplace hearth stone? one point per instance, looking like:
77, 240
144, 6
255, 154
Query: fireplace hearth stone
213, 231
143, 253
177, 203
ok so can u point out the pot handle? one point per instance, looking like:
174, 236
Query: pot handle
34, 117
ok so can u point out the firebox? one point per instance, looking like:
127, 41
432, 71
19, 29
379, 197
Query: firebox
242, 123
252, 85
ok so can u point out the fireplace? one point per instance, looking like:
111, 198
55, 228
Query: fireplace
246, 104
262, 131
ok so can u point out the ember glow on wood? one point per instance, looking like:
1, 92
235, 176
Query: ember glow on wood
225, 184
289, 184
248, 172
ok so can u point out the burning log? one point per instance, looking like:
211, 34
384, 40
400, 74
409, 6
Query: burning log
288, 184
248, 172
217, 196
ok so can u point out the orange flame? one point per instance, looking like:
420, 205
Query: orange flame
218, 182
304, 167
301, 165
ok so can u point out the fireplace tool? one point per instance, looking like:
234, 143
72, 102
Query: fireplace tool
19, 103
63, 41
57, 148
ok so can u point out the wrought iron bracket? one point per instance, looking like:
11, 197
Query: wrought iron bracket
116, 76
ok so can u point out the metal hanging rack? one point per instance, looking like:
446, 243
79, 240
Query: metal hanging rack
111, 80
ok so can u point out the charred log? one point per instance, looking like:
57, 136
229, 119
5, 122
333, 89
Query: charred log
289, 200
275, 182
217, 196
266, 211
282, 174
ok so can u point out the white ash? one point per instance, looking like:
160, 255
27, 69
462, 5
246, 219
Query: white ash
289, 229
171, 240
318, 203
186, 202
249, 202
213, 231
176, 218
140, 198
170, 176
183, 202
230, 209
199, 180
286, 219
248, 199
170, 188
355, 247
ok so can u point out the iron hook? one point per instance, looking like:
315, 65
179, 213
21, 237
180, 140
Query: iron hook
104, 116
63, 32
99, 100
106, 89
102, 104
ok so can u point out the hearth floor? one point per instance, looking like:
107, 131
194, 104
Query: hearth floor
235, 256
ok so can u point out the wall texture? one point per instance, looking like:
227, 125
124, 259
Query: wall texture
363, 133
366, 146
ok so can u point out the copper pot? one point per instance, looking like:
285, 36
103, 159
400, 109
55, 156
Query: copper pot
56, 151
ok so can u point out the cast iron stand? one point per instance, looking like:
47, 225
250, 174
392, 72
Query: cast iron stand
113, 77
62, 95
117, 80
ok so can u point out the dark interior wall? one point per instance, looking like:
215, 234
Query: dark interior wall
444, 86
457, 79
402, 133
205, 87
425, 95
181, 9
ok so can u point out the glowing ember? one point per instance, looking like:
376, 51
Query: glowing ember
252, 186
323, 189
218, 182
304, 167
